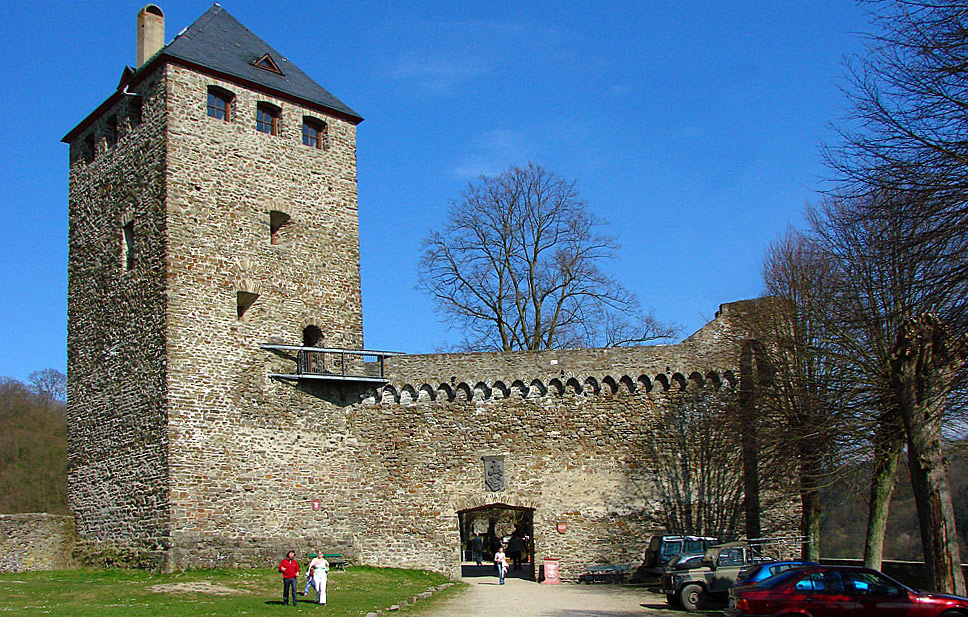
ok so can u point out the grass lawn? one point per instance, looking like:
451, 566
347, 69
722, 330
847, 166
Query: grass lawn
136, 593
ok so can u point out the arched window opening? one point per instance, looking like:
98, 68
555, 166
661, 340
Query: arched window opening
312, 362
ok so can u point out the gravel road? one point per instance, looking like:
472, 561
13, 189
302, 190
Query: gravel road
524, 598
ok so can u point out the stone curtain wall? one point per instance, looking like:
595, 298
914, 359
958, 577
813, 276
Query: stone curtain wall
30, 542
117, 441
390, 472
574, 458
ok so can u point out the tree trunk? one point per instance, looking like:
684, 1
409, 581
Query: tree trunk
888, 448
810, 474
925, 362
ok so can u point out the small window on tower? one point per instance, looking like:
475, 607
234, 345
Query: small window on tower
127, 246
314, 133
111, 131
267, 118
134, 110
277, 220
88, 148
244, 300
220, 103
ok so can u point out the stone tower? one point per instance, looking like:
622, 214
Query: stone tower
213, 207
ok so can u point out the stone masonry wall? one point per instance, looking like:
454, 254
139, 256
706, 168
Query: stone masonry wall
30, 542
117, 439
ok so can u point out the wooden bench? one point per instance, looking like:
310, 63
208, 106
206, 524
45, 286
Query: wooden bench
604, 574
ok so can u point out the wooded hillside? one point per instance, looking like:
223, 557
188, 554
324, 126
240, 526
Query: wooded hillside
845, 519
33, 449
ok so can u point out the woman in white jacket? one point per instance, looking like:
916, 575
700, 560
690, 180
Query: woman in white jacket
319, 578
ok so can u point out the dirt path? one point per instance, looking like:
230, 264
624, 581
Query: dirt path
523, 598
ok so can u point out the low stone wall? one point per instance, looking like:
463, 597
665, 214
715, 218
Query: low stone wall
35, 542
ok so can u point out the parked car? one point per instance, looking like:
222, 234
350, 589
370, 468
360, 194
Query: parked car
663, 549
695, 588
686, 562
839, 591
762, 571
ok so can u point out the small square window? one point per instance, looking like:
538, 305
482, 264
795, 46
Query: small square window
267, 118
314, 133
219, 103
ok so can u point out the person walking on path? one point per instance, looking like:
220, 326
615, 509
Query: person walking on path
477, 548
502, 564
320, 571
289, 568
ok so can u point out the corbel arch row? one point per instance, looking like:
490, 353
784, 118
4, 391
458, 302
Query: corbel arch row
558, 387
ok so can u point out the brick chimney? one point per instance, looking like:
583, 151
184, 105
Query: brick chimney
151, 32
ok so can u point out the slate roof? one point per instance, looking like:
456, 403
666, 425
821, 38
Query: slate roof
220, 42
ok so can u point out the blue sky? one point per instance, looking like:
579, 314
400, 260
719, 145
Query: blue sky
692, 127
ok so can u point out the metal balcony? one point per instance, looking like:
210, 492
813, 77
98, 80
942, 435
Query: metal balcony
334, 364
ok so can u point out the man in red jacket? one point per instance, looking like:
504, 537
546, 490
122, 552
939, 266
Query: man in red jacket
290, 572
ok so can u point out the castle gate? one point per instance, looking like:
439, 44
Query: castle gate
496, 523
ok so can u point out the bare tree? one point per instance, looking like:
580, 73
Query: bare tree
906, 132
882, 287
518, 266
49, 384
802, 396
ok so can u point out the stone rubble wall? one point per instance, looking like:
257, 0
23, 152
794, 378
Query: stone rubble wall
116, 393
32, 542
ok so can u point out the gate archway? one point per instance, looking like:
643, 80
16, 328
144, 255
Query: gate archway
497, 524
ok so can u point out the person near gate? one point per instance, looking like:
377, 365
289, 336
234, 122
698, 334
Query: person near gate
516, 548
477, 548
502, 564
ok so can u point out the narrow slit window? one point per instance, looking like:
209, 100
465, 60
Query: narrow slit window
111, 131
127, 246
134, 110
89, 148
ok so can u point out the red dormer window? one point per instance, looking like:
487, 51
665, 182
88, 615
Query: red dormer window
266, 62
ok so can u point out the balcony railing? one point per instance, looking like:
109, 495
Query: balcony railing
334, 363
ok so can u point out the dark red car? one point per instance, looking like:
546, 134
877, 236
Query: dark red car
821, 591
